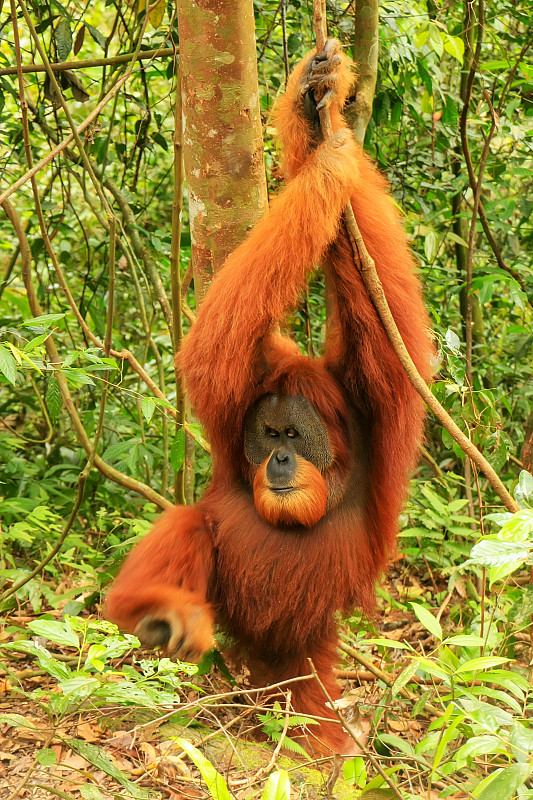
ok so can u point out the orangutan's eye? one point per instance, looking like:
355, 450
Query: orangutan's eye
292, 433
272, 432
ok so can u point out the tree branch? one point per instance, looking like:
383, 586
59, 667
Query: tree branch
366, 265
87, 63
106, 469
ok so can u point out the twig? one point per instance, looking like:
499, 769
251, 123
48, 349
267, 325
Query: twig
473, 181
223, 695
140, 250
62, 145
284, 34
275, 754
87, 63
360, 744
382, 676
269, 32
124, 354
477, 193
31, 768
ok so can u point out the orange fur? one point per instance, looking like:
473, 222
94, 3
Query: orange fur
305, 505
166, 573
276, 590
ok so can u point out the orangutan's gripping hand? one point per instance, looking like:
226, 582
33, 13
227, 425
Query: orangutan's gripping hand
321, 77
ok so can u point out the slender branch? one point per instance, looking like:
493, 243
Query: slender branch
473, 181
9, 270
284, 35
269, 32
470, 252
497, 253
360, 744
87, 63
375, 291
106, 469
140, 250
59, 94
124, 354
62, 145
366, 264
175, 277
82, 480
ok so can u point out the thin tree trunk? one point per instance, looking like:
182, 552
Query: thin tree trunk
223, 146
471, 310
365, 54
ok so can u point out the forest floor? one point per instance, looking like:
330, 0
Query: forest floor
95, 749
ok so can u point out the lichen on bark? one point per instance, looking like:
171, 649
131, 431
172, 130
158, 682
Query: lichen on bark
223, 145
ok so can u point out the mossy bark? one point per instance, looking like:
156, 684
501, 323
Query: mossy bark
223, 145
365, 54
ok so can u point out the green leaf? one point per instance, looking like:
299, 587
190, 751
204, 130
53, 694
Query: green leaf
434, 669
44, 321
404, 677
78, 378
397, 743
177, 450
420, 703
478, 746
215, 782
63, 37
428, 620
277, 787
16, 721
466, 640
354, 772
79, 686
46, 757
98, 37
524, 490
91, 792
147, 408
53, 399
36, 342
431, 245
99, 758
521, 741
452, 341
449, 734
435, 39
387, 643
505, 783
7, 364
454, 237
454, 45
54, 631
495, 553
485, 662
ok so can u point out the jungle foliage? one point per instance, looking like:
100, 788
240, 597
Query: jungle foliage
89, 444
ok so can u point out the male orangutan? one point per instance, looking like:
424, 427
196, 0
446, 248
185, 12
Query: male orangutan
310, 455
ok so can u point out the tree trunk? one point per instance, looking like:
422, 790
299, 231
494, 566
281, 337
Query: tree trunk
460, 224
365, 54
223, 145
